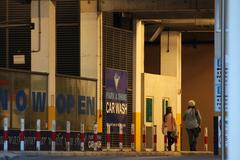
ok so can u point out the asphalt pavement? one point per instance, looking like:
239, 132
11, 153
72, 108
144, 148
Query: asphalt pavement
117, 158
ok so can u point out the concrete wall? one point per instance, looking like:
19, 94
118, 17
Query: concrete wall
40, 59
166, 85
158, 87
89, 39
197, 84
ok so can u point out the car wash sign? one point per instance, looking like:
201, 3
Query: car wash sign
116, 83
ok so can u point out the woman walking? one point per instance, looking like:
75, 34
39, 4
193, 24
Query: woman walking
169, 127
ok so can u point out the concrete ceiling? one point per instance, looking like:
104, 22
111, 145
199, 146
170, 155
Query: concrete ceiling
160, 9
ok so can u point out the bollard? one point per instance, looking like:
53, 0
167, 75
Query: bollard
21, 135
5, 133
82, 137
38, 134
108, 136
132, 137
68, 130
165, 138
95, 126
155, 138
176, 140
53, 148
121, 137
206, 139
143, 138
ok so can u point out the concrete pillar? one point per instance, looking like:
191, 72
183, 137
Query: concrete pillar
43, 39
171, 65
138, 69
91, 49
52, 62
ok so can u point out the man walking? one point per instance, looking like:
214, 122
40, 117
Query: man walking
192, 119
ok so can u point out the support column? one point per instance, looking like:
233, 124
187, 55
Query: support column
233, 78
171, 64
52, 62
91, 49
138, 69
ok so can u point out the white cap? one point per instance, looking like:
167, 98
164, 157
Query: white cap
191, 103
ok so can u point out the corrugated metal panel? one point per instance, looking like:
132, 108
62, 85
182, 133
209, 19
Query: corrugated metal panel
67, 11
20, 44
19, 11
17, 39
68, 55
3, 19
2, 11
108, 18
2, 47
68, 37
117, 53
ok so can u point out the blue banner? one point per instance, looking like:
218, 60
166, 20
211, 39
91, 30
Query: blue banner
116, 84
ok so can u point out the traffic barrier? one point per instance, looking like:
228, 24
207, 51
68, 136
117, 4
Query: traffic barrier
5, 134
108, 136
82, 137
53, 148
21, 135
68, 128
95, 126
165, 138
206, 139
132, 137
38, 135
155, 138
176, 141
120, 137
143, 138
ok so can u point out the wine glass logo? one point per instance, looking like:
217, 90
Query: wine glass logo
116, 80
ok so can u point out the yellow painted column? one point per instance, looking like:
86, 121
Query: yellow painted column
138, 69
52, 61
99, 85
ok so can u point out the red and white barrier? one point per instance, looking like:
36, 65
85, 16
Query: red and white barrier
143, 138
132, 137
155, 138
108, 136
121, 137
82, 137
38, 135
206, 139
165, 139
95, 136
53, 146
5, 129
68, 130
176, 141
21, 135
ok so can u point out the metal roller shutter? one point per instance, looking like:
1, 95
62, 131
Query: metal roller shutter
68, 37
15, 33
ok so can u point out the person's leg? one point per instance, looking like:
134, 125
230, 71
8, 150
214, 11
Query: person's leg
169, 141
196, 134
191, 138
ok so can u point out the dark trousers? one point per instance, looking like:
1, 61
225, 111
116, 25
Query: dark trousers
192, 138
170, 140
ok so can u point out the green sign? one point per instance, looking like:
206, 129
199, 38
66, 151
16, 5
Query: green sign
149, 110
